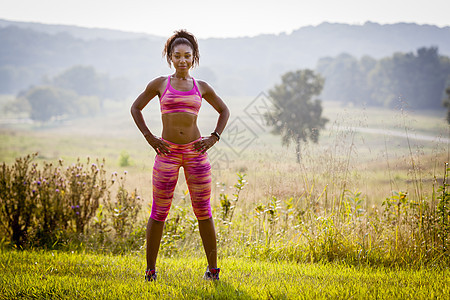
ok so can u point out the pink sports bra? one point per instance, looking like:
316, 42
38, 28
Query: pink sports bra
173, 101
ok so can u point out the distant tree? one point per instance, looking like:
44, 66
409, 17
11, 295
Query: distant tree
446, 103
346, 78
86, 81
47, 102
295, 115
419, 79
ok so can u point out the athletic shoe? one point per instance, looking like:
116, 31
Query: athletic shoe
211, 274
150, 275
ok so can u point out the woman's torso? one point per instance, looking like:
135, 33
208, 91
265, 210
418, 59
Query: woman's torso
180, 100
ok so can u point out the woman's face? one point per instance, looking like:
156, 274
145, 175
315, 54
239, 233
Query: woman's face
182, 57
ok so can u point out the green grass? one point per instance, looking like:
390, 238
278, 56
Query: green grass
374, 164
65, 275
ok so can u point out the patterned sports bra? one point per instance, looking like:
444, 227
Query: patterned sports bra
173, 101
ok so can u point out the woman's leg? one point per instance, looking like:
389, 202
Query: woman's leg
165, 177
197, 170
154, 234
208, 235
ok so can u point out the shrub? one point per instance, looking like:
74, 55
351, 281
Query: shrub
18, 200
41, 207
124, 209
85, 186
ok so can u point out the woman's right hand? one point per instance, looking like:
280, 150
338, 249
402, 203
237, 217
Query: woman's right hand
161, 147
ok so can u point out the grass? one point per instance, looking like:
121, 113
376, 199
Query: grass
373, 163
66, 275
345, 160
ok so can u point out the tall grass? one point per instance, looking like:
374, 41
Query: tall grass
309, 228
365, 199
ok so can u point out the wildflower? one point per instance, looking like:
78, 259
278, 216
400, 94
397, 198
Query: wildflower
125, 172
57, 190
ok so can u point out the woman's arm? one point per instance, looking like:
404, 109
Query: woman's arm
152, 90
212, 98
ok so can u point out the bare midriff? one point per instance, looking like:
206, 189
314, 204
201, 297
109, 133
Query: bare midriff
180, 128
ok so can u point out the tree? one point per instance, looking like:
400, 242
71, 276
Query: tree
419, 79
86, 81
295, 115
47, 102
446, 103
346, 78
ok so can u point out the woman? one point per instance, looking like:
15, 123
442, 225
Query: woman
181, 144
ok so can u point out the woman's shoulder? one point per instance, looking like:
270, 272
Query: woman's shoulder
159, 79
157, 83
203, 84
205, 89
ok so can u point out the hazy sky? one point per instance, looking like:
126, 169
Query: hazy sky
226, 18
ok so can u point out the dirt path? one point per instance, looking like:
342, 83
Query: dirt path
403, 134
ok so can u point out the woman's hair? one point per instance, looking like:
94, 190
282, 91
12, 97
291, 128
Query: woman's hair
182, 37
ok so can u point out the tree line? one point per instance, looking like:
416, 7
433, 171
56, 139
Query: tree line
78, 91
417, 79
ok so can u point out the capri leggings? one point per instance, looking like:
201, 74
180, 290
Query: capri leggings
197, 171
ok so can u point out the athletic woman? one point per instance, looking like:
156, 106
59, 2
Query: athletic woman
181, 145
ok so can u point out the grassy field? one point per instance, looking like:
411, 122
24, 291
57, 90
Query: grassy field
60, 275
374, 152
374, 162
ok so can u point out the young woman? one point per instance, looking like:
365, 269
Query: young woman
181, 145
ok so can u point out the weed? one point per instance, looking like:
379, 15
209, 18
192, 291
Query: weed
443, 212
18, 199
124, 159
228, 204
124, 209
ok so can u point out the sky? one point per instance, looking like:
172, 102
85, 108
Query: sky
226, 18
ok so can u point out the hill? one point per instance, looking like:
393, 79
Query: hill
235, 66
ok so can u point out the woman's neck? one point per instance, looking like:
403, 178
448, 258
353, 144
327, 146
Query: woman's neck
182, 75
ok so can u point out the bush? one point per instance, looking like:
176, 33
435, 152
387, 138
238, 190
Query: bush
18, 203
57, 204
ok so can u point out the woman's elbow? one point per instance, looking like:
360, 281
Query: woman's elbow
134, 110
225, 112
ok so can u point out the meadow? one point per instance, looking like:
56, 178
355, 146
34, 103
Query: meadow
356, 218
66, 275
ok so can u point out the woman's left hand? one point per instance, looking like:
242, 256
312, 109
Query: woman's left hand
205, 143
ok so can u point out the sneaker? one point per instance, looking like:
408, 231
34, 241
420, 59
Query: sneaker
150, 275
211, 274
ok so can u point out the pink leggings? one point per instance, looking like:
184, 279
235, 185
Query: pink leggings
197, 171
